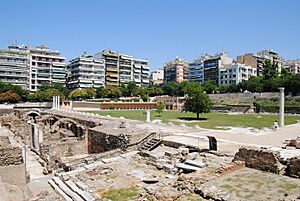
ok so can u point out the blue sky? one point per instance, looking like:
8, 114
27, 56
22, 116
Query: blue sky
158, 30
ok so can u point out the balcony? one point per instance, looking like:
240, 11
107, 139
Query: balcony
112, 69
111, 83
111, 75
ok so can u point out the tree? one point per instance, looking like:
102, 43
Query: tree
197, 102
160, 107
46, 95
77, 94
131, 87
113, 92
9, 97
99, 92
89, 92
154, 90
4, 87
270, 69
254, 84
210, 86
142, 93
58, 86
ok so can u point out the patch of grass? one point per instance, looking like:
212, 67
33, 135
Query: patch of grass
213, 119
227, 187
124, 194
289, 186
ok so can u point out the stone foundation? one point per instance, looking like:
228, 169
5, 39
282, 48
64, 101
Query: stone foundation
261, 159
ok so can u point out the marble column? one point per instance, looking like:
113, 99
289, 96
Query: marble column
148, 119
281, 107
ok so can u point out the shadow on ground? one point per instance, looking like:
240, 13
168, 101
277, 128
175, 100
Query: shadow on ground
192, 119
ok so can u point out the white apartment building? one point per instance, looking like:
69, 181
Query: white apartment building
235, 73
122, 69
157, 77
141, 73
292, 66
45, 67
14, 65
85, 71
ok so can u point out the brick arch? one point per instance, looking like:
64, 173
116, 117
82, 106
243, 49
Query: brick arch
49, 119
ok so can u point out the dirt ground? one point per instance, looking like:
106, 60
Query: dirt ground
255, 185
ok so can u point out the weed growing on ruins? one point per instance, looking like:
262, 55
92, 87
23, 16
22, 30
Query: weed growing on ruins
124, 194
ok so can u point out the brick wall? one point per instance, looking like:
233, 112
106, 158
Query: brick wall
260, 159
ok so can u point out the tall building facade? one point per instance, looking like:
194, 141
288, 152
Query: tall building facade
196, 71
46, 67
292, 66
14, 66
257, 59
85, 71
212, 64
122, 69
235, 73
176, 71
31, 67
157, 77
141, 72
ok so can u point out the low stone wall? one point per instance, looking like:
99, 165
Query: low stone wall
260, 159
231, 108
110, 105
231, 167
10, 156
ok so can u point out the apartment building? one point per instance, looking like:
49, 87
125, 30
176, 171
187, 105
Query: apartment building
122, 69
157, 77
212, 64
292, 66
14, 65
196, 71
45, 67
235, 73
176, 71
141, 72
257, 59
85, 71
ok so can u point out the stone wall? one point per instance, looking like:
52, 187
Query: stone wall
10, 155
65, 149
6, 111
261, 159
294, 167
99, 142
245, 97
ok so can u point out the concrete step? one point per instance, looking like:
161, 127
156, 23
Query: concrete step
150, 145
73, 195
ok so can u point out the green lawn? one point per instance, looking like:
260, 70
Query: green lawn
212, 119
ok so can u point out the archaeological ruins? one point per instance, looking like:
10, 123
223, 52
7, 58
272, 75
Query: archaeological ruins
54, 154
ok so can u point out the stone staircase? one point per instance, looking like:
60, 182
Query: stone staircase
69, 190
150, 145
